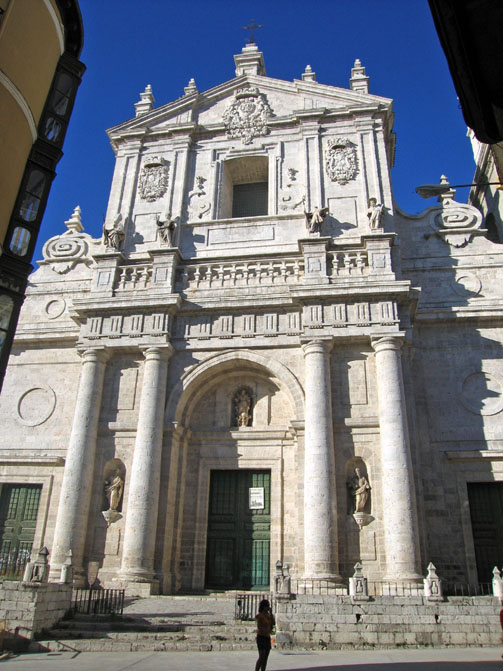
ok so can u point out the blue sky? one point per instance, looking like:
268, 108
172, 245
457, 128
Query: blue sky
128, 44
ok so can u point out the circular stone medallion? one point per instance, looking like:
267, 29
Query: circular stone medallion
36, 405
55, 308
482, 393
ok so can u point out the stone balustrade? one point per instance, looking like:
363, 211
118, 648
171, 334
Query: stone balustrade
242, 273
348, 263
133, 277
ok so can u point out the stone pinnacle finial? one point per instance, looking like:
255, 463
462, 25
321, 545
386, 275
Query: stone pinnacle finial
250, 61
146, 102
359, 80
75, 221
191, 87
308, 75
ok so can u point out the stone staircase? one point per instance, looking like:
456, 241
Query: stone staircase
163, 623
206, 623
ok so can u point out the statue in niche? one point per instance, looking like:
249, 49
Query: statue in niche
374, 213
166, 229
315, 219
114, 234
242, 408
114, 487
360, 489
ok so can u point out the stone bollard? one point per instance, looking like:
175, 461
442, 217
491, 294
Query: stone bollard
433, 585
67, 569
282, 581
358, 587
497, 583
38, 570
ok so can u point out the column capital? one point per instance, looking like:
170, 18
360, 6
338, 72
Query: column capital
317, 347
157, 352
94, 354
388, 342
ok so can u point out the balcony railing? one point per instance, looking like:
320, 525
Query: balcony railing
241, 274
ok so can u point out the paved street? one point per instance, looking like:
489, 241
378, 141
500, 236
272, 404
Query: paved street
462, 659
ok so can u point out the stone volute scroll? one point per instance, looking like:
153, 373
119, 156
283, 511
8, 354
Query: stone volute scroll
242, 407
113, 488
64, 252
455, 223
359, 489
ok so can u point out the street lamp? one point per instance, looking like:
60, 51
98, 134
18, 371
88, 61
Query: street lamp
432, 190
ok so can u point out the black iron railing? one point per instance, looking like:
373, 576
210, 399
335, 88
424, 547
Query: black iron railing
246, 605
467, 589
12, 565
98, 601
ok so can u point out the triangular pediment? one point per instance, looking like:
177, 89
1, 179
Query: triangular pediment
284, 101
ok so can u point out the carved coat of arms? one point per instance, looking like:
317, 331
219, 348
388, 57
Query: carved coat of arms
247, 115
153, 178
341, 162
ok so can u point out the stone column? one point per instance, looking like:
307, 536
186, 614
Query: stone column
398, 493
320, 520
76, 489
144, 484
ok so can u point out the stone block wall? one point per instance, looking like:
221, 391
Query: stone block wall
335, 622
28, 608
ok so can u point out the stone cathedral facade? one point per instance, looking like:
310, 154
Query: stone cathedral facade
263, 358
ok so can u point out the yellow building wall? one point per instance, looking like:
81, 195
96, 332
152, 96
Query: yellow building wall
29, 52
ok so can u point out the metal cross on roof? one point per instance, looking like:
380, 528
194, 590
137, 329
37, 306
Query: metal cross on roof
251, 27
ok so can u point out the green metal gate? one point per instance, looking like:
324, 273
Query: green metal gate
486, 510
18, 519
239, 525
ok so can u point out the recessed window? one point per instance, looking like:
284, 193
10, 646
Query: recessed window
32, 196
20, 241
61, 95
52, 129
244, 189
6, 307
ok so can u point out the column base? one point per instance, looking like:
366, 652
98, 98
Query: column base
138, 587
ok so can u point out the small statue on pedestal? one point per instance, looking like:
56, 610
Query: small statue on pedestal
166, 229
114, 234
374, 213
315, 219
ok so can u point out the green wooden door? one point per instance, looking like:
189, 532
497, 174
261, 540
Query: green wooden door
18, 519
239, 525
486, 510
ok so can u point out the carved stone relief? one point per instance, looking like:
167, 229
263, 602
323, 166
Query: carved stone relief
341, 161
153, 178
199, 206
293, 195
247, 115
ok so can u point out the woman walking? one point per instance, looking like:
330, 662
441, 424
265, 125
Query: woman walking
265, 623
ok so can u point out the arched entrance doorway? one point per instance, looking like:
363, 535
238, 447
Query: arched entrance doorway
230, 452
